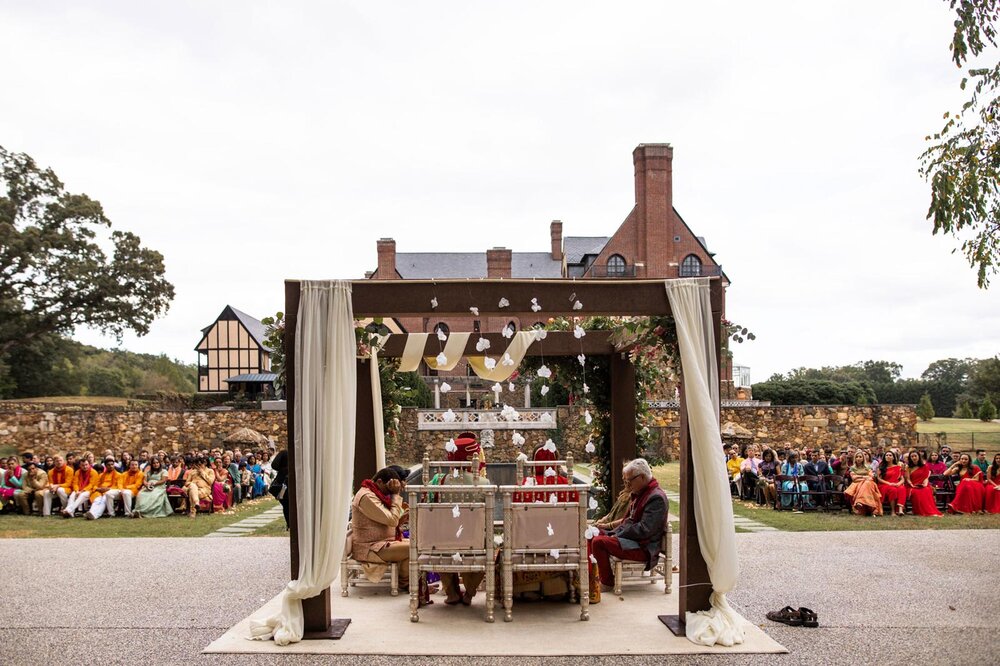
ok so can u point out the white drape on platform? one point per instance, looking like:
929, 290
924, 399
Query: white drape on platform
326, 397
377, 402
692, 311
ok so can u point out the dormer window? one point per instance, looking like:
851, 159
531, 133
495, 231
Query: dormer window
691, 266
616, 266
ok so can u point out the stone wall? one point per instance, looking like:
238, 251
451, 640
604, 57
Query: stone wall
52, 430
773, 426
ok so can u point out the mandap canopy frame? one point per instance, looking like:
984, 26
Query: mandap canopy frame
412, 298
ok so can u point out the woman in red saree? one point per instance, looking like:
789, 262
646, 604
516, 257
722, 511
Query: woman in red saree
969, 490
891, 482
993, 486
863, 492
918, 484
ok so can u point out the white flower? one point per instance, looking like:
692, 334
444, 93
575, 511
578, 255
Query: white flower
449, 416
508, 413
521, 456
582, 359
455, 511
554, 553
442, 336
586, 389
450, 446
496, 388
578, 305
490, 363
587, 418
482, 344
541, 333
590, 448
455, 473
441, 359
578, 332
553, 498
548, 528
474, 310
535, 307
544, 389
511, 387
593, 560
445, 387
546, 417
549, 472
457, 557
507, 332
434, 302
592, 504
503, 303
507, 361
458, 534
517, 439
544, 372
550, 446
592, 532
529, 480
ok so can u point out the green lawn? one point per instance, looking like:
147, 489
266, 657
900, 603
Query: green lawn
89, 400
819, 521
962, 434
16, 526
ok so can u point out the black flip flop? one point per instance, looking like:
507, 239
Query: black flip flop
786, 615
809, 617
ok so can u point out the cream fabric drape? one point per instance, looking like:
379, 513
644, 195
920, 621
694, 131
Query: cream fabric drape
326, 397
377, 402
454, 350
517, 348
713, 508
413, 352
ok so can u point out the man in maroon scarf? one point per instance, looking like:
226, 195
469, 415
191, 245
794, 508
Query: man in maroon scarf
637, 536
376, 512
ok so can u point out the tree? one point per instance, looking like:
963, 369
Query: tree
987, 410
925, 410
962, 163
54, 272
986, 377
965, 412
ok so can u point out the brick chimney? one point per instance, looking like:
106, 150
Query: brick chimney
654, 200
555, 230
498, 263
386, 259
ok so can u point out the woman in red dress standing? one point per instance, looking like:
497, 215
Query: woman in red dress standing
917, 482
890, 483
969, 490
993, 486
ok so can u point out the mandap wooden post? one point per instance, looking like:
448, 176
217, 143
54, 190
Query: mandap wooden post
364, 424
623, 446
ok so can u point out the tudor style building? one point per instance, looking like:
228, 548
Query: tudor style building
653, 241
233, 357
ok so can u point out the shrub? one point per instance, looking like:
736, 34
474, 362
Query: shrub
964, 412
925, 410
987, 410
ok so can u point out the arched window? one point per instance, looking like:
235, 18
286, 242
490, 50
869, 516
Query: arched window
441, 326
691, 266
616, 265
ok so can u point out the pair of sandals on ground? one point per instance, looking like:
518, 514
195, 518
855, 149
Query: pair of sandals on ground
802, 617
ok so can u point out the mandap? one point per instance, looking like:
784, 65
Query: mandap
334, 429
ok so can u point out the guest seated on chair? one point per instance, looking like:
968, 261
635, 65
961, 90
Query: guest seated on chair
918, 487
109, 485
199, 485
733, 463
970, 495
60, 485
11, 482
817, 466
376, 511
863, 491
638, 535
750, 472
32, 486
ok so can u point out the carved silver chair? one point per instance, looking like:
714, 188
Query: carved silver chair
352, 573
546, 536
451, 531
628, 572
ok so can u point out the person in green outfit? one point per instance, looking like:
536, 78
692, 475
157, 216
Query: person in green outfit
152, 502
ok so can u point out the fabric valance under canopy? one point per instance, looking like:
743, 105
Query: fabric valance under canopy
495, 367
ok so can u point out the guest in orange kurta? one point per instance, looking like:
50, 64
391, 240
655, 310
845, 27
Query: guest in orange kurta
918, 485
969, 491
60, 485
109, 483
891, 483
993, 486
131, 484
84, 481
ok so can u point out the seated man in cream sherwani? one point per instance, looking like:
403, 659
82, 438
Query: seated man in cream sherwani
376, 511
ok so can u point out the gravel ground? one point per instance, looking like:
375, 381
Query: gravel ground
882, 597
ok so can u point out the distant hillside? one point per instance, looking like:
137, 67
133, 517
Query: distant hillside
56, 366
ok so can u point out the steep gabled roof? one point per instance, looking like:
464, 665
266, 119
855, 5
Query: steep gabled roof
577, 247
257, 330
444, 265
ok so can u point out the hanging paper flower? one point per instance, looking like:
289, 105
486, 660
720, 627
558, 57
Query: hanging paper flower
482, 344
497, 388
535, 307
508, 413
517, 439
582, 359
578, 332
590, 448
474, 310
587, 418
548, 528
450, 446
457, 557
586, 389
510, 386
553, 499
445, 387
490, 363
549, 446
544, 389
549, 472
523, 457
593, 560
544, 372
554, 553
507, 332
503, 303
528, 480
507, 361
455, 511
458, 534
441, 359
434, 302
442, 336
592, 504
449, 416
578, 305
592, 531
546, 417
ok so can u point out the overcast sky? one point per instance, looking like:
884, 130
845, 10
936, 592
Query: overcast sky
251, 142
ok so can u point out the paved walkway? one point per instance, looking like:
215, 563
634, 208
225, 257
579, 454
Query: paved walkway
249, 525
738, 521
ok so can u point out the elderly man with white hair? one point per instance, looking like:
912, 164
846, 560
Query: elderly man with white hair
637, 536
